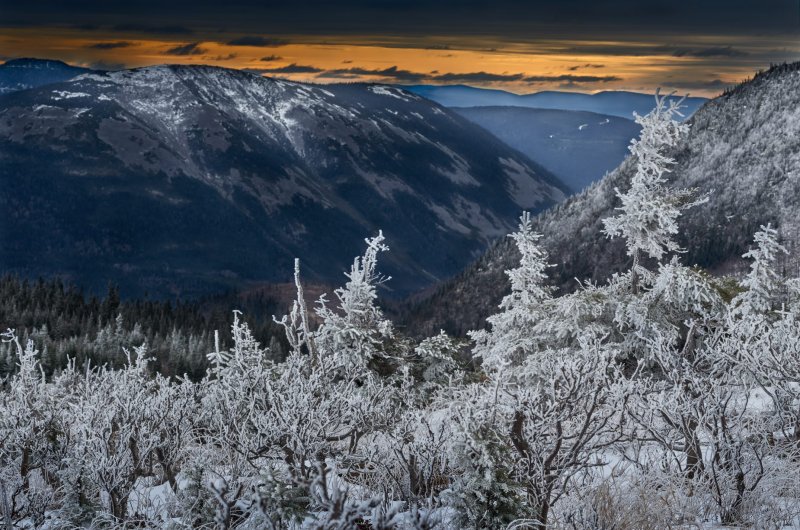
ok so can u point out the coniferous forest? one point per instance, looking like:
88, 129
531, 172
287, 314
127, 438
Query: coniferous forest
664, 397
66, 324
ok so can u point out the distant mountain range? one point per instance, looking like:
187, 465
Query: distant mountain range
614, 103
578, 147
743, 150
190, 179
579, 137
21, 74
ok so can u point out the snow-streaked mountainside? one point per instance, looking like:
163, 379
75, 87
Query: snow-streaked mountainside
615, 102
743, 150
21, 74
578, 147
192, 178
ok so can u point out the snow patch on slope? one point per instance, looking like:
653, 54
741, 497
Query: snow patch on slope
391, 92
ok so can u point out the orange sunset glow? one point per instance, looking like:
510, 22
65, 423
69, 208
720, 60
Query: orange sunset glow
634, 63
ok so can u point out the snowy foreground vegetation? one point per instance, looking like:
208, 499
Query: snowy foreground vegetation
666, 398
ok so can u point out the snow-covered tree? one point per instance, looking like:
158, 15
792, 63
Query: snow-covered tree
354, 333
512, 334
650, 209
761, 285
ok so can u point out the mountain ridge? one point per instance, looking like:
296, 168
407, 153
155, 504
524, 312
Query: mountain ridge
170, 179
618, 103
25, 73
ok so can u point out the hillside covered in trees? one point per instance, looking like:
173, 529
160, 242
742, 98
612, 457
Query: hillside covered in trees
742, 151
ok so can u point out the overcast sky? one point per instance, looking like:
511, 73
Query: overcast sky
523, 46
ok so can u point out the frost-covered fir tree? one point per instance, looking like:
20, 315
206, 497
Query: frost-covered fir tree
762, 283
512, 335
546, 406
355, 332
650, 210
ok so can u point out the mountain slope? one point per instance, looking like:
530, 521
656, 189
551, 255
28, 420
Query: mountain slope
615, 103
743, 150
21, 74
578, 147
182, 180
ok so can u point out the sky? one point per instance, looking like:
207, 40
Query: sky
697, 47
